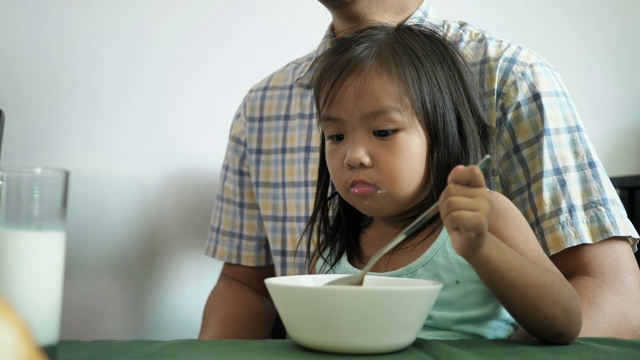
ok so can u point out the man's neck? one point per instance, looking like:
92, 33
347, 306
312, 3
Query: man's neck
351, 16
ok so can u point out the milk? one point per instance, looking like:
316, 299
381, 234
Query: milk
31, 277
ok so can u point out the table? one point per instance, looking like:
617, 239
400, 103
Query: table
583, 348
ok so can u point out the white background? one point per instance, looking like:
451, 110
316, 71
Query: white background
135, 98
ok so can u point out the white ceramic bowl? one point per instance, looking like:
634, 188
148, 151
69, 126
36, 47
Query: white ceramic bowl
384, 315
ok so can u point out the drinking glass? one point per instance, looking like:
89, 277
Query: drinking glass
33, 207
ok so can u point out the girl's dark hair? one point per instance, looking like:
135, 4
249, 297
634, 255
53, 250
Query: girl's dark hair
433, 75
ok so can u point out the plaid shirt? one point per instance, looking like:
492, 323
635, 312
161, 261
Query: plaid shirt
544, 161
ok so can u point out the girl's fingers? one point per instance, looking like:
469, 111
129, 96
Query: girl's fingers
464, 198
470, 221
458, 167
467, 175
462, 203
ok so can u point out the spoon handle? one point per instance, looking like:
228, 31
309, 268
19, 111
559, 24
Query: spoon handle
415, 225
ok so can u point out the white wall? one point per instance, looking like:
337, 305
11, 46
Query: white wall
136, 99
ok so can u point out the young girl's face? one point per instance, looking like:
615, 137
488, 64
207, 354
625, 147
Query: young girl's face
375, 148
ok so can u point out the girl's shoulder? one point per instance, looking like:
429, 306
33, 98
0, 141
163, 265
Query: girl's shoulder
501, 202
506, 215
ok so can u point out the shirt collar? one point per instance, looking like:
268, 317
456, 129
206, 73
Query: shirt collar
422, 13
420, 16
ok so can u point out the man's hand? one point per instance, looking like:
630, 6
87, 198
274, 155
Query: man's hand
239, 306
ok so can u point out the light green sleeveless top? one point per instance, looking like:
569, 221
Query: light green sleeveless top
465, 308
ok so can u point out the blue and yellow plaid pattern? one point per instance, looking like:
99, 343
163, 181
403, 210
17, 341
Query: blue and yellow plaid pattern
544, 161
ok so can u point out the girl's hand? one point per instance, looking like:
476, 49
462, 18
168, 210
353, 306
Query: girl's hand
465, 208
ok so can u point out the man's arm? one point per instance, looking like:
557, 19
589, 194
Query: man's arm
239, 306
607, 278
558, 183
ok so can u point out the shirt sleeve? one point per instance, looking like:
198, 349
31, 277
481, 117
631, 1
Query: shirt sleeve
236, 234
548, 167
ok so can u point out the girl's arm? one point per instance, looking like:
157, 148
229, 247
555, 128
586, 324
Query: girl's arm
493, 236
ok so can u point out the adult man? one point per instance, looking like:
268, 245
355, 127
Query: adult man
548, 167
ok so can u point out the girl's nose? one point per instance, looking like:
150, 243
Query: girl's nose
357, 156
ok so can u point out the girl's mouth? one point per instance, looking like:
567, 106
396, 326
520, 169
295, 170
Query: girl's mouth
363, 189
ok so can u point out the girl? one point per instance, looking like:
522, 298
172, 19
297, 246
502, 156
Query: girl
398, 113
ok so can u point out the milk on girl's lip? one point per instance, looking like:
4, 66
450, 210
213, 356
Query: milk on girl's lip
363, 189
32, 272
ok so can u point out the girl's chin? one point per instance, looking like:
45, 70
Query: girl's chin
385, 210
372, 209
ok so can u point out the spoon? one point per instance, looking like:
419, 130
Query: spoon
358, 279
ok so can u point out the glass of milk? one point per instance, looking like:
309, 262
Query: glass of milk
33, 208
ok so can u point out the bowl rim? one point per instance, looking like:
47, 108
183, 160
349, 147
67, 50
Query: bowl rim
416, 283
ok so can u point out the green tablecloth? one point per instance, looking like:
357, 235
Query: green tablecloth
584, 348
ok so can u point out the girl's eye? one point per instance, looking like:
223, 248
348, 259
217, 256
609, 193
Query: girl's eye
335, 137
384, 133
